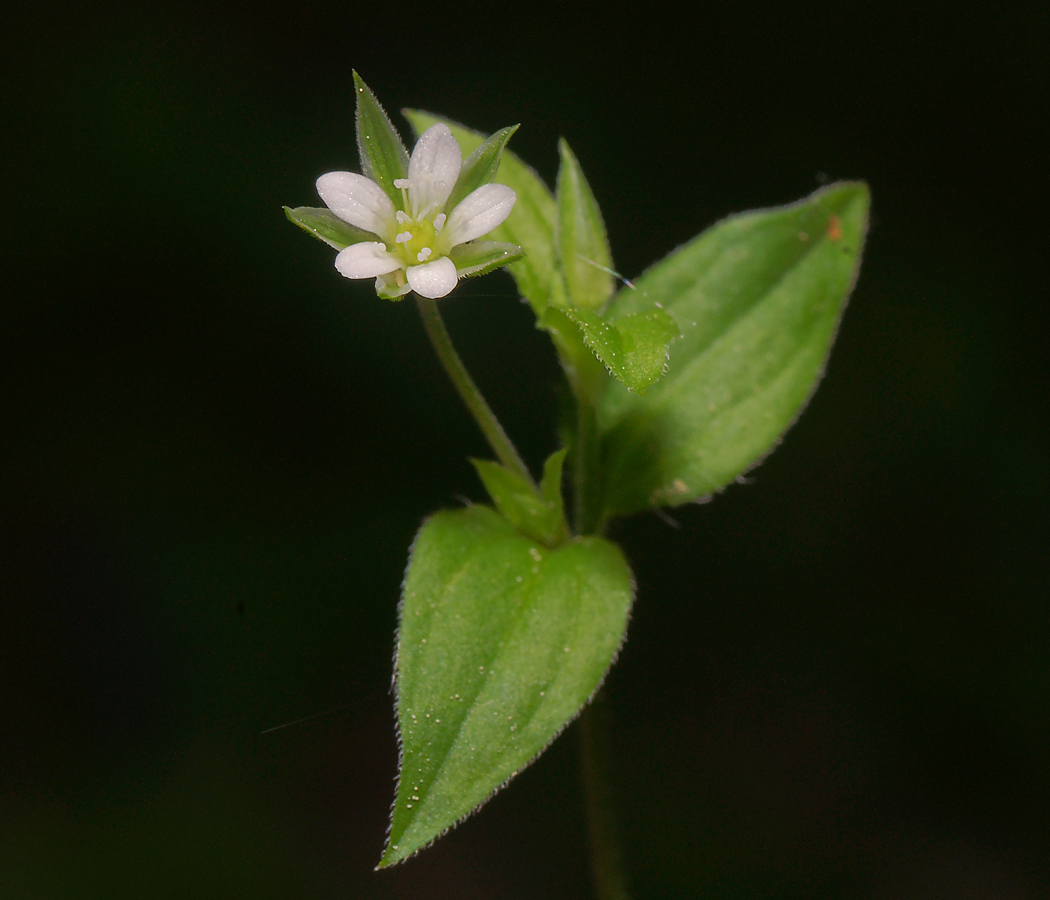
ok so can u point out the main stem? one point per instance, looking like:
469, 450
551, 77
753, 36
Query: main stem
584, 468
607, 866
501, 445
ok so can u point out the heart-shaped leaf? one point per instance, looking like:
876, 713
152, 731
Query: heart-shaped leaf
500, 644
758, 298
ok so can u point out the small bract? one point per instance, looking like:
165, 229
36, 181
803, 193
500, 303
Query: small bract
412, 252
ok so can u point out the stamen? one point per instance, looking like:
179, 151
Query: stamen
403, 184
403, 238
439, 221
423, 254
402, 217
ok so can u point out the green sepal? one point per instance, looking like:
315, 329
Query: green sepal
758, 298
388, 291
482, 257
500, 643
581, 239
481, 166
540, 516
326, 226
383, 155
531, 223
634, 348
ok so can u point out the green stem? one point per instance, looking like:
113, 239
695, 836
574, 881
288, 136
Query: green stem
607, 868
501, 445
585, 468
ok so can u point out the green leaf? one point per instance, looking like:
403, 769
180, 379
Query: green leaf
500, 644
758, 298
481, 166
530, 225
326, 226
634, 348
582, 242
540, 516
482, 257
383, 155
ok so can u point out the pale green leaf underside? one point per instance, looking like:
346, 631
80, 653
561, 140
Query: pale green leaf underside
633, 348
531, 223
501, 642
758, 298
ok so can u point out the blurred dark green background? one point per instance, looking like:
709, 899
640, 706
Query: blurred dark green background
215, 452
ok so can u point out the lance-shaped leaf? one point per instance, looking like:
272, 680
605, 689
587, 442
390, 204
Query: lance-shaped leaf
538, 515
383, 155
501, 642
758, 298
326, 226
634, 347
530, 225
482, 257
481, 166
582, 242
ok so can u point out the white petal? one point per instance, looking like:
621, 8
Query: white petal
434, 279
366, 260
480, 212
433, 168
357, 200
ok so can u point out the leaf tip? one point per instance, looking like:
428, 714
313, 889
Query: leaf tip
390, 857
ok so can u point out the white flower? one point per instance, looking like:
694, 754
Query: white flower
414, 241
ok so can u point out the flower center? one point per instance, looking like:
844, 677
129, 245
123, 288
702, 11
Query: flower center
415, 239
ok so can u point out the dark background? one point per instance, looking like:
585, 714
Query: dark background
215, 452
